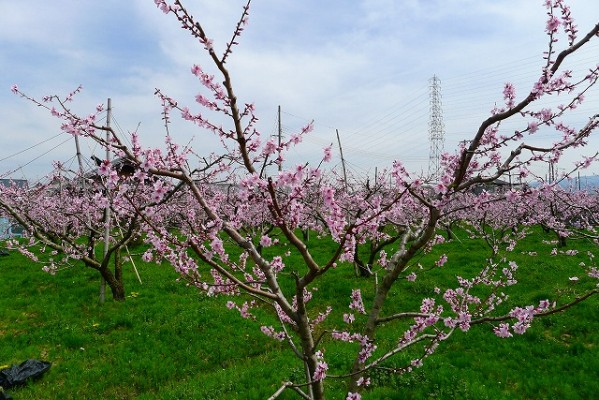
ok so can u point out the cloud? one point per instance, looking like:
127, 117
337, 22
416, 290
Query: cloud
361, 67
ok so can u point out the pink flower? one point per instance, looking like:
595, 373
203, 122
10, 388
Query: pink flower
544, 305
502, 331
441, 261
265, 241
161, 4
277, 264
441, 188
552, 24
357, 303
270, 331
533, 126
14, 89
321, 367
417, 363
159, 191
520, 327
349, 318
104, 168
509, 94
328, 153
147, 256
411, 277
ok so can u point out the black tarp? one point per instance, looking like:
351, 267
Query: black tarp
4, 395
19, 374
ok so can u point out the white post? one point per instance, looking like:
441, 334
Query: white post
107, 209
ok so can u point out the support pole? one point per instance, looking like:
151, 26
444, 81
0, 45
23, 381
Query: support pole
342, 160
79, 160
280, 131
107, 213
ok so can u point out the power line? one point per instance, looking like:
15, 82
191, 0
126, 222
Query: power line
36, 158
31, 147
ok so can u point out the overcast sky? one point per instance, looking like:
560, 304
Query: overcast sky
362, 67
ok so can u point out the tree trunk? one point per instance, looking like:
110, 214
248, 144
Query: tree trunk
116, 286
308, 350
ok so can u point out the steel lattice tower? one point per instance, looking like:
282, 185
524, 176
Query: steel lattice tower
436, 130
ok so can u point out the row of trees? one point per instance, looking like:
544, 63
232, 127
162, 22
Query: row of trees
212, 216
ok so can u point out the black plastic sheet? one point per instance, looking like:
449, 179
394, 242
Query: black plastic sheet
19, 374
4, 395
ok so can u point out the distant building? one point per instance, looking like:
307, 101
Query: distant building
8, 227
20, 183
496, 186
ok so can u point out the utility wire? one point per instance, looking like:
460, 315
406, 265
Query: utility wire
31, 147
36, 158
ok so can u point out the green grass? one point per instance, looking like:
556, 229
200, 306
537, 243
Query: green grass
168, 341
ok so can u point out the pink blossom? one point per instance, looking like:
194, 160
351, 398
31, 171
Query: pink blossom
269, 148
552, 24
417, 363
356, 303
321, 317
533, 126
342, 335
546, 114
463, 321
321, 367
50, 269
509, 94
544, 305
512, 195
411, 277
383, 258
328, 153
163, 6
367, 349
217, 246
363, 381
353, 396
520, 327
440, 187
147, 256
159, 192
205, 102
104, 168
441, 261
502, 331
277, 264
265, 241
270, 331
349, 318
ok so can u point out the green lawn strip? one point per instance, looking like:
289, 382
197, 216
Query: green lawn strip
168, 341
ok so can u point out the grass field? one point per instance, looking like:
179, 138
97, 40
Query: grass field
168, 341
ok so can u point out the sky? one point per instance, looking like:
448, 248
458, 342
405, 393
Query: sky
362, 67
